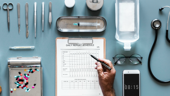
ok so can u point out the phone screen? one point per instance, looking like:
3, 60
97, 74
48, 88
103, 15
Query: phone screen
131, 84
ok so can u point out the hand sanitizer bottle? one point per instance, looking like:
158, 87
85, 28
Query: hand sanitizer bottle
127, 22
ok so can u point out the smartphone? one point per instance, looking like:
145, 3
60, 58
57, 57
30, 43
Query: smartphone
131, 83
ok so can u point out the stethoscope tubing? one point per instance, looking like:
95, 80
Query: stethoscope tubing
150, 54
149, 60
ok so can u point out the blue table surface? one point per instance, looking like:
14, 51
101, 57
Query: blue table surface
45, 42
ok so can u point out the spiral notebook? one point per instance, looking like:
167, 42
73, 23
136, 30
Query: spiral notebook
75, 69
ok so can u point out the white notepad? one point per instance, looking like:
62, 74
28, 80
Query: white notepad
75, 69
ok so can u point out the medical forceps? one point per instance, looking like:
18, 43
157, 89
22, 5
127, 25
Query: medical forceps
7, 8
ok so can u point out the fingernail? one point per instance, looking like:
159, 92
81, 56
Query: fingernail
98, 63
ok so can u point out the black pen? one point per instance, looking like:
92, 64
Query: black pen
105, 65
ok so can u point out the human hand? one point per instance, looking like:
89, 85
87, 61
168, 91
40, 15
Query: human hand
0, 89
106, 77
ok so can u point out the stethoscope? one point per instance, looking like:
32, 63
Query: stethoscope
156, 25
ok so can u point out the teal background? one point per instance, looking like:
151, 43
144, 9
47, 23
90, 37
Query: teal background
45, 42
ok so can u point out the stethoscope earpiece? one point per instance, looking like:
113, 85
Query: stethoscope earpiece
156, 24
160, 9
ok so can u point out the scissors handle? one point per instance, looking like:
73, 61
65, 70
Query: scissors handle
9, 4
4, 5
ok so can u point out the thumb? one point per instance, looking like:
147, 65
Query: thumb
99, 69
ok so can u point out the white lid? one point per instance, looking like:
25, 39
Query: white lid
69, 3
127, 46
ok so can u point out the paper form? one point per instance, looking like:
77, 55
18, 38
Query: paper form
76, 73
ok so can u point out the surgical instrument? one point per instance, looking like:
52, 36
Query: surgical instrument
26, 16
18, 10
35, 11
50, 13
43, 16
21, 47
86, 24
8, 9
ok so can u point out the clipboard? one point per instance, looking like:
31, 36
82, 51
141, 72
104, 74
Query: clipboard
77, 41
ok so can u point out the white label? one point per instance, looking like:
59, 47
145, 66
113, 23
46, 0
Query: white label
126, 17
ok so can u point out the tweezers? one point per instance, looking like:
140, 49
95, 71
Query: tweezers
43, 16
26, 14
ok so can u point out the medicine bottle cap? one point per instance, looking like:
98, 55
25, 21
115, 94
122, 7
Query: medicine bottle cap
70, 3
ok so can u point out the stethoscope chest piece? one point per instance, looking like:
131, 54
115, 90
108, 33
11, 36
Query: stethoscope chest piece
156, 24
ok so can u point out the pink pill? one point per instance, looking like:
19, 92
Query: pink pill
32, 86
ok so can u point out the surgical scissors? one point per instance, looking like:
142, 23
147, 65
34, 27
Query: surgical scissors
8, 9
